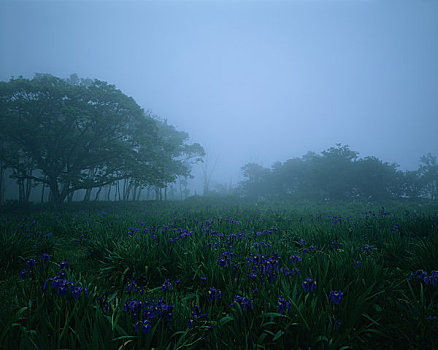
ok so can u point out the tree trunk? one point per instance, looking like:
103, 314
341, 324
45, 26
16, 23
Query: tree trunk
2, 183
118, 191
42, 192
55, 196
134, 193
28, 187
98, 193
87, 195
20, 182
70, 197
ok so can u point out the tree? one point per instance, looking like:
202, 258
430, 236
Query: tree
258, 182
78, 135
333, 172
377, 180
428, 172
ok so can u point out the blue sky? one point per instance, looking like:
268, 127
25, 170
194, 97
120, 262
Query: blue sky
252, 81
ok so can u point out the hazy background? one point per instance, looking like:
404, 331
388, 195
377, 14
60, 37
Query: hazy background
251, 81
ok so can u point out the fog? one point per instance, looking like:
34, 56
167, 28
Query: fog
250, 81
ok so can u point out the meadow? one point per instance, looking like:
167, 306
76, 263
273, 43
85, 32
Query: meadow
220, 274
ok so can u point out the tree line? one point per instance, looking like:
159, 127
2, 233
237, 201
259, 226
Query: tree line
337, 174
70, 135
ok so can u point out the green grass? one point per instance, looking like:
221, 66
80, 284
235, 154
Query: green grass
123, 254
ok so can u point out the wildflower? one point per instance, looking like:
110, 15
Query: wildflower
309, 284
45, 257
196, 313
145, 326
242, 301
63, 265
295, 258
213, 294
76, 292
166, 285
357, 263
62, 290
367, 249
203, 279
283, 305
336, 323
30, 262
225, 259
335, 296
288, 273
23, 274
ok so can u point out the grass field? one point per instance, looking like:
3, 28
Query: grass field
220, 274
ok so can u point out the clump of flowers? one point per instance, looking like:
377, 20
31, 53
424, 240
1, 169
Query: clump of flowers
335, 296
289, 273
295, 259
309, 248
32, 263
62, 285
145, 312
283, 305
133, 286
167, 285
243, 302
196, 313
214, 294
422, 275
145, 325
367, 249
309, 284
357, 263
63, 265
226, 259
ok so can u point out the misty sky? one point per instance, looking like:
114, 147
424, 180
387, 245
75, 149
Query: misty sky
251, 81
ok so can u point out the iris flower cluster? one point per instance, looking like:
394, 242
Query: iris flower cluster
226, 259
31, 263
196, 314
62, 285
305, 248
214, 294
289, 273
309, 284
295, 259
283, 305
367, 249
133, 286
335, 296
145, 312
243, 302
429, 280
167, 285
264, 267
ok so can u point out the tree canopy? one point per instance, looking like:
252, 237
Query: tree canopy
73, 134
338, 173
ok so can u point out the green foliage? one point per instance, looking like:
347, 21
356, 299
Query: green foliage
169, 256
338, 174
79, 134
